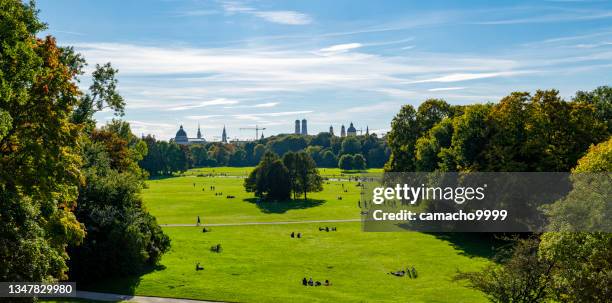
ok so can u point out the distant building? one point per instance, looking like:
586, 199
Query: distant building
342, 131
331, 130
297, 127
182, 138
304, 128
262, 136
351, 131
367, 130
224, 135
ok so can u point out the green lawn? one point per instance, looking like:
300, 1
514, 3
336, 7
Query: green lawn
181, 199
262, 263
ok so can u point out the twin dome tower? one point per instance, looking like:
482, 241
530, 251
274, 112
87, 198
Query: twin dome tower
301, 128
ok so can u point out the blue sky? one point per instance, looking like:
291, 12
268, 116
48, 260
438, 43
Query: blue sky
267, 63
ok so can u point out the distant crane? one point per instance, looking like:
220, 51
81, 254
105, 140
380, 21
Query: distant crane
256, 128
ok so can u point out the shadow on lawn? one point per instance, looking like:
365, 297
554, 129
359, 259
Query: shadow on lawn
271, 207
120, 285
472, 244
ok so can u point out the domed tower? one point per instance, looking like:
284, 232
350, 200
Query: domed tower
304, 127
342, 131
181, 137
297, 127
331, 130
351, 131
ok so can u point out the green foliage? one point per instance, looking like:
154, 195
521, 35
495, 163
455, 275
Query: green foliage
402, 140
122, 238
303, 173
522, 277
583, 271
270, 179
346, 162
39, 155
350, 146
522, 132
359, 162
601, 98
430, 112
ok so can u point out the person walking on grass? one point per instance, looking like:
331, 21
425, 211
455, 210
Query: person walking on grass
198, 221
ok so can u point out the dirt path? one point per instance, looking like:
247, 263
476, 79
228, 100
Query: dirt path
99, 296
262, 223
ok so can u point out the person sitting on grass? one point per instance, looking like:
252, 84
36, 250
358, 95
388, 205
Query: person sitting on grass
310, 282
414, 273
317, 283
299, 235
292, 234
334, 228
326, 229
198, 267
304, 281
205, 230
327, 283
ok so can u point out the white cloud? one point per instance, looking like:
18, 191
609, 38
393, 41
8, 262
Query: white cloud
469, 76
280, 17
341, 47
441, 89
284, 17
220, 101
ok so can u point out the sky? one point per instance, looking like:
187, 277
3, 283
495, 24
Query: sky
267, 63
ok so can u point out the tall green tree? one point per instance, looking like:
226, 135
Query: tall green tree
39, 153
402, 140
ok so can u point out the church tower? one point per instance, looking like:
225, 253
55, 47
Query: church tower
331, 130
262, 136
304, 127
342, 131
199, 136
367, 130
224, 135
297, 127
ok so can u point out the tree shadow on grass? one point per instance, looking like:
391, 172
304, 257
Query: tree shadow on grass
125, 285
472, 244
281, 207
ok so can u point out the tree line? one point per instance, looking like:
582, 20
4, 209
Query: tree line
524, 132
348, 153
69, 192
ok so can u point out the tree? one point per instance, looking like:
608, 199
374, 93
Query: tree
270, 179
430, 112
350, 146
328, 159
307, 176
346, 162
359, 162
39, 155
258, 152
522, 276
601, 99
470, 136
402, 140
584, 263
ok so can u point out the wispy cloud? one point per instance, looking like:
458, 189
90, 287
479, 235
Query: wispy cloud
551, 18
341, 47
442, 89
280, 16
220, 101
470, 76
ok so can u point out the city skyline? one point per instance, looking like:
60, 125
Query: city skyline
267, 63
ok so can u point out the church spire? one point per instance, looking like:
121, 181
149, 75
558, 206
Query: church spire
199, 132
224, 135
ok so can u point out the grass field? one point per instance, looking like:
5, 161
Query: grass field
262, 263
